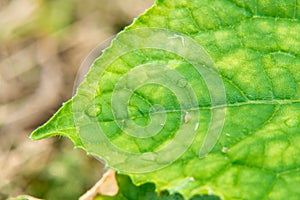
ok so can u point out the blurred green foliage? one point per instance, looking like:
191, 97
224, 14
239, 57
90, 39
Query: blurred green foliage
44, 17
55, 15
68, 175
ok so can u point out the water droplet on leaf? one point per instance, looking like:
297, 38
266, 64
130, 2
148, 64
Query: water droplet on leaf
133, 109
196, 126
187, 117
94, 110
148, 157
292, 122
224, 149
210, 191
182, 83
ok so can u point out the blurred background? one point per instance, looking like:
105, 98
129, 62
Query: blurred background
42, 45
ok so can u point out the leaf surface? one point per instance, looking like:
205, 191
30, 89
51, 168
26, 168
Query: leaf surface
252, 45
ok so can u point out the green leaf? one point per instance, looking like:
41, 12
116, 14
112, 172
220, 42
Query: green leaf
198, 97
62, 123
128, 191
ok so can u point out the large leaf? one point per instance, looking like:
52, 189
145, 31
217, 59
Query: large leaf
153, 105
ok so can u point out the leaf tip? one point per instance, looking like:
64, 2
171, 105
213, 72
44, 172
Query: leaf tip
40, 133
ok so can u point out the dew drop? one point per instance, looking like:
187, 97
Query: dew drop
122, 124
148, 157
94, 110
187, 117
224, 149
182, 83
133, 109
98, 110
196, 126
292, 122
178, 36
